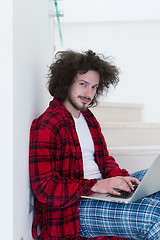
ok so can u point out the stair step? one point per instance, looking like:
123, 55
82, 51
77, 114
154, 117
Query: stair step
117, 112
135, 158
134, 150
131, 133
132, 143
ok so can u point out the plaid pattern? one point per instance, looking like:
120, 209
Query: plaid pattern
138, 220
56, 171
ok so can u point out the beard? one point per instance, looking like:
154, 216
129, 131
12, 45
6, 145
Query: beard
80, 107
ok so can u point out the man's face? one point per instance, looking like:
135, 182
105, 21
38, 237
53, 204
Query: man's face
83, 90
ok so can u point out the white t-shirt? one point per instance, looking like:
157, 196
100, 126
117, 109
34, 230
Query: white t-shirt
91, 169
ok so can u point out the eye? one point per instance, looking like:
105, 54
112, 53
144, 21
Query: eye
83, 84
95, 87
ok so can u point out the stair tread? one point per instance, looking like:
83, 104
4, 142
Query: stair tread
122, 125
112, 111
129, 125
134, 150
118, 104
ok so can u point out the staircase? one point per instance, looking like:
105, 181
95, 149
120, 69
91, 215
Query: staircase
133, 143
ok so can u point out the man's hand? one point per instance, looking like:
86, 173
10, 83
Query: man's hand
109, 185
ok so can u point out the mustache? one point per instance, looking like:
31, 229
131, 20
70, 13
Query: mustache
87, 98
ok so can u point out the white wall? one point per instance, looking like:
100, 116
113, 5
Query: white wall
26, 47
6, 141
109, 10
133, 44
32, 52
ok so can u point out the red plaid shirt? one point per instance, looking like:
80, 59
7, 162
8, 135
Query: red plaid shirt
56, 171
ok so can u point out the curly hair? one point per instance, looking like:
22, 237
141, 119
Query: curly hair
67, 64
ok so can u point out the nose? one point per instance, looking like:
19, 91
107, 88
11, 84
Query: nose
89, 93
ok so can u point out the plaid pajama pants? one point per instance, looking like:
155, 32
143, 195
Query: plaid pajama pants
138, 220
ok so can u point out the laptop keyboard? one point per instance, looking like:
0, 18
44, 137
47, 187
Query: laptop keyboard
124, 194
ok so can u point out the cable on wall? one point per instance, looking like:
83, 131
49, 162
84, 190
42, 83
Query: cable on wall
58, 21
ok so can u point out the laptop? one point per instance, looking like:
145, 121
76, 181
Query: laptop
149, 185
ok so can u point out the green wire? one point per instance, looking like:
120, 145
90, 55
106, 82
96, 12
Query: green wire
58, 20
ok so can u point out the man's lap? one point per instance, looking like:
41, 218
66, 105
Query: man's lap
102, 218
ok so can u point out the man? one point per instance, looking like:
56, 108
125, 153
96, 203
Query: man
69, 158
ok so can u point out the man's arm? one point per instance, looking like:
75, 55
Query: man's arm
114, 176
47, 184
